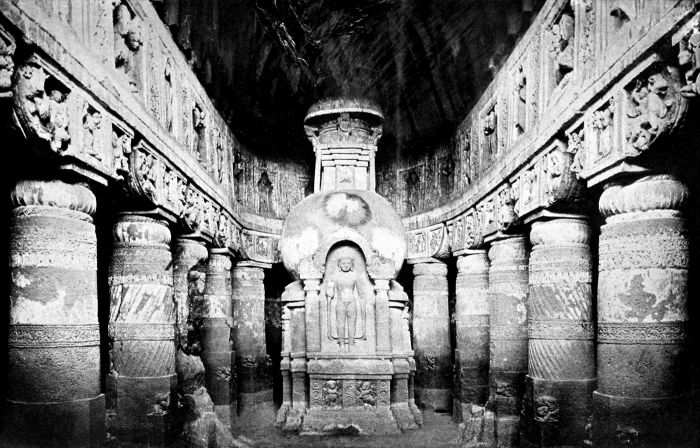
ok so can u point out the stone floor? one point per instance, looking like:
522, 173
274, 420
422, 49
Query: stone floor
438, 431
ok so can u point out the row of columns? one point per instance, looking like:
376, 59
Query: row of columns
557, 364
55, 393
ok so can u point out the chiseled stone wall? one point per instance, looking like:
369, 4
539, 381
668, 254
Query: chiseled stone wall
54, 396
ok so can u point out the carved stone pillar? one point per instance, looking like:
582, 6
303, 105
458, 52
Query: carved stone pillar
508, 288
252, 365
53, 390
642, 315
431, 336
187, 252
472, 325
561, 368
217, 355
141, 385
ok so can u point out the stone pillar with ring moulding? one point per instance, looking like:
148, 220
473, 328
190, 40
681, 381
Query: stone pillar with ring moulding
54, 389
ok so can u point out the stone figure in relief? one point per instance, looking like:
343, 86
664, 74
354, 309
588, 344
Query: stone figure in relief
265, 193
413, 194
127, 43
345, 288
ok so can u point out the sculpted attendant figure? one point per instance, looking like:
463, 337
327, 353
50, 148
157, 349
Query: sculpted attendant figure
344, 287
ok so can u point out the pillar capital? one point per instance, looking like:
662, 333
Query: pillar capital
139, 229
560, 232
649, 193
435, 268
54, 193
509, 250
473, 261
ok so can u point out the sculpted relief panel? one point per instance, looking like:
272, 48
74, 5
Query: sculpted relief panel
347, 289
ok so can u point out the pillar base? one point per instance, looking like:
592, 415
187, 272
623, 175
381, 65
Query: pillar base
141, 408
434, 399
641, 422
77, 423
556, 412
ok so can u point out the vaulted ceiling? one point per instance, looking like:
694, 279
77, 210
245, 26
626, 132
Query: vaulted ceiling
264, 62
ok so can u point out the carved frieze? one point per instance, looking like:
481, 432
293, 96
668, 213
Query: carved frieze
7, 64
654, 105
41, 104
428, 242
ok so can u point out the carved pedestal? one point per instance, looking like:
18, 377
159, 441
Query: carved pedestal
254, 378
431, 337
217, 355
472, 325
642, 316
561, 368
141, 393
508, 290
53, 390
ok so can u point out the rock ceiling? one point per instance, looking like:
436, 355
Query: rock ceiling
264, 62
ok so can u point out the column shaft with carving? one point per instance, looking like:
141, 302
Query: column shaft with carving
141, 385
561, 368
187, 252
217, 355
508, 290
472, 326
53, 390
431, 336
642, 315
252, 363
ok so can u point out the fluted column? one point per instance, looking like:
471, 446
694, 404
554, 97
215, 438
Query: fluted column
431, 336
252, 365
187, 252
53, 390
642, 315
472, 327
508, 290
561, 367
217, 355
141, 385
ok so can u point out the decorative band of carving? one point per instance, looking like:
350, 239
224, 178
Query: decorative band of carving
560, 277
54, 193
508, 332
46, 211
129, 331
141, 279
37, 336
67, 259
661, 255
248, 273
549, 329
642, 333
